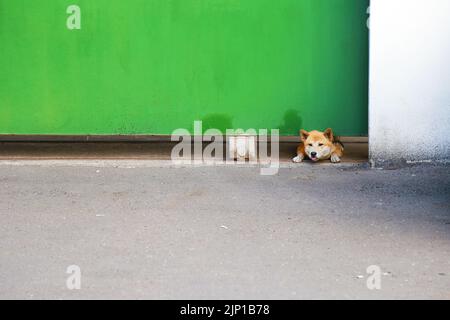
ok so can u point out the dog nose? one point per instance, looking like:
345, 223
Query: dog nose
313, 154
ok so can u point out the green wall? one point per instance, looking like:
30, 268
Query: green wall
151, 66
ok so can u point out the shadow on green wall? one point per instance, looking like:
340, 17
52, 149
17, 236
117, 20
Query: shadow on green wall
292, 123
218, 121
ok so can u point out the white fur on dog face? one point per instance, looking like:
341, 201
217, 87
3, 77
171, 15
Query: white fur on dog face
322, 151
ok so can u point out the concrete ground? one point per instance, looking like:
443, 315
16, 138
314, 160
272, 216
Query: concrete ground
140, 231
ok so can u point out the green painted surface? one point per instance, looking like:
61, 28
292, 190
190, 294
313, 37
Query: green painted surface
151, 66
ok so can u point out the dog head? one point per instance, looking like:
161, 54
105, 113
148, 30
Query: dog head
318, 145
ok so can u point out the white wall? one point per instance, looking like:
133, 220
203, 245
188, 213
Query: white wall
409, 112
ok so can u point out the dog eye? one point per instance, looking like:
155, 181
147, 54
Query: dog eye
320, 144
310, 144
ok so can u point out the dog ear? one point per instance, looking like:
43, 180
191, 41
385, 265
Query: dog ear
329, 134
304, 134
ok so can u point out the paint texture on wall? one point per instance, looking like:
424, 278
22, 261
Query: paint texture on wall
409, 82
151, 66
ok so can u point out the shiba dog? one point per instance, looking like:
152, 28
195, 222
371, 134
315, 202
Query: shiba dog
319, 146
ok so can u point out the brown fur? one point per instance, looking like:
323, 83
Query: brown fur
323, 143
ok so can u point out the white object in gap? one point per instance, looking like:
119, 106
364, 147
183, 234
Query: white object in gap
242, 147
